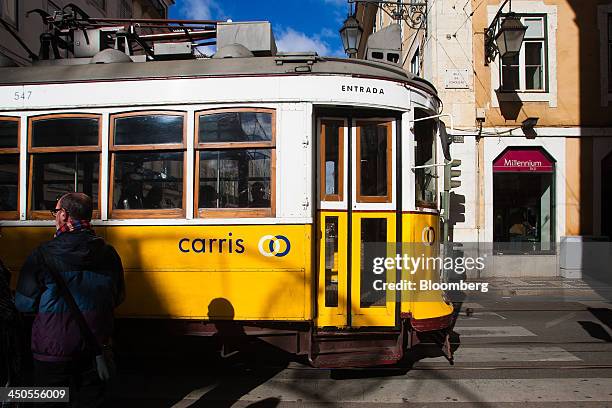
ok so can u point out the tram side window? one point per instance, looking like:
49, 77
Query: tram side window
9, 167
147, 165
425, 154
332, 160
64, 157
235, 163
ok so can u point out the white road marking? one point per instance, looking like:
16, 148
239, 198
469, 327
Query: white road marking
559, 320
493, 331
505, 354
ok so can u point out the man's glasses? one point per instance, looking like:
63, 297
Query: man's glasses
56, 210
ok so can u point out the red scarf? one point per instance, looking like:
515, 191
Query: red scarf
73, 225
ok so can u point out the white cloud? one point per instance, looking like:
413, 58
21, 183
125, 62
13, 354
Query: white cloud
328, 33
199, 9
291, 40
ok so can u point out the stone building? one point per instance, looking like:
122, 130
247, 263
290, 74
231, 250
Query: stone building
533, 132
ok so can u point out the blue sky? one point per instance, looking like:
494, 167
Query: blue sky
299, 25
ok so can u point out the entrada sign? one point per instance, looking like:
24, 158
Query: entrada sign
363, 89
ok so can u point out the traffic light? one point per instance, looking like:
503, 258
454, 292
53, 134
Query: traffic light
451, 175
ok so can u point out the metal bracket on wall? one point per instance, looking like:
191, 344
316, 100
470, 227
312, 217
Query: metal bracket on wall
413, 13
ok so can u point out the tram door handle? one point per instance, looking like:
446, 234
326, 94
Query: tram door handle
306, 203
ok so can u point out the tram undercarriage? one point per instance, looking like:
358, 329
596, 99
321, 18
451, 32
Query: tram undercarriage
328, 348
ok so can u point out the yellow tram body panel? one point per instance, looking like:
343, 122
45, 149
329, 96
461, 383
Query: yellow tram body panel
416, 230
171, 272
177, 271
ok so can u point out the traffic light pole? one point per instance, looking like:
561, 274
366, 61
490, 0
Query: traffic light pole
449, 183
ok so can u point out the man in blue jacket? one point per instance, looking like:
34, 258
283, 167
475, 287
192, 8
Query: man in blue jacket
93, 274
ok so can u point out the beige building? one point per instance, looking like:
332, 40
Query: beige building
524, 189
29, 27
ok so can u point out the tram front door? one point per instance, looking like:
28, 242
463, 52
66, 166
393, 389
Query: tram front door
356, 221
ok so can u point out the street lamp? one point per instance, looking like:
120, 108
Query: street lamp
351, 35
504, 36
510, 36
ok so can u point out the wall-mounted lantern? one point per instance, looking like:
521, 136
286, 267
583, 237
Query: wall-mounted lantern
504, 36
351, 35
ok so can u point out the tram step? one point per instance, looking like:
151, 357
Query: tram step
337, 342
355, 349
358, 358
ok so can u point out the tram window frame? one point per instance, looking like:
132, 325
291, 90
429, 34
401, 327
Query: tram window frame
419, 145
36, 151
339, 196
113, 149
241, 212
388, 198
12, 151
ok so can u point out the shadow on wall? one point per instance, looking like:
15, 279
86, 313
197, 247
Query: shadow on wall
511, 105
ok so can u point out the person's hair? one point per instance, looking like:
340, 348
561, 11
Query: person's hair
78, 205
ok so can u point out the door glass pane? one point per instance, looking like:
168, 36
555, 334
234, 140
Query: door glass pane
331, 261
148, 180
235, 127
8, 133
373, 245
373, 156
55, 174
9, 179
533, 65
148, 129
235, 178
332, 158
57, 132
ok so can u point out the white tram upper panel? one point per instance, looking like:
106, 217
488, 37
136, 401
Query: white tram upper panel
219, 81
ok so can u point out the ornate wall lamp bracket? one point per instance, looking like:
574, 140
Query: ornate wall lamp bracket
413, 13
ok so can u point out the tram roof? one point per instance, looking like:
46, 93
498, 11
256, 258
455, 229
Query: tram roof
249, 66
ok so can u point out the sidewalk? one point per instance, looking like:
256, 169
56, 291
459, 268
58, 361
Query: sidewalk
544, 289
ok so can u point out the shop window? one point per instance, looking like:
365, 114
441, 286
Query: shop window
524, 201
374, 162
426, 190
332, 160
235, 163
8, 11
527, 70
147, 165
9, 168
64, 156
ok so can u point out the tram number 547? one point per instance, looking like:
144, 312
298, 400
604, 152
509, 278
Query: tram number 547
25, 95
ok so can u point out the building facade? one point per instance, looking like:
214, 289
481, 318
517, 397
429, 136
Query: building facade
29, 27
525, 189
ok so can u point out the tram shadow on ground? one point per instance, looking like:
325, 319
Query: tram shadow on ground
160, 369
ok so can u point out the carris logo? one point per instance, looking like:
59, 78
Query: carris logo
270, 245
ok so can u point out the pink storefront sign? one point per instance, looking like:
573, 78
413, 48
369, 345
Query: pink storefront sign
523, 160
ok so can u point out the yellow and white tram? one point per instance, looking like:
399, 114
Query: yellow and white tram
237, 189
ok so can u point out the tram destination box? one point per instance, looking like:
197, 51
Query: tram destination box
256, 36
